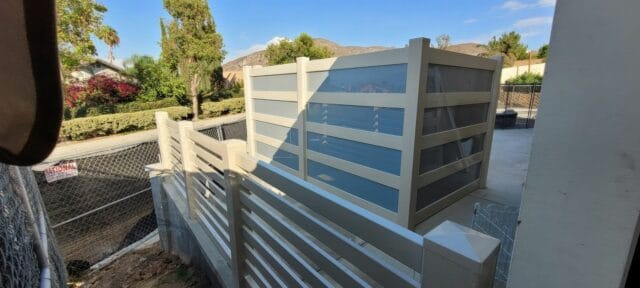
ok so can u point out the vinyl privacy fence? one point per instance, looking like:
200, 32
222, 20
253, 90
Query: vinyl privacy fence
403, 132
273, 229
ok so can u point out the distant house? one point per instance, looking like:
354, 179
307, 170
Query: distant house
98, 67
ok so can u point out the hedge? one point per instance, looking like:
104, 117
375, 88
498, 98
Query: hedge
81, 111
227, 106
89, 127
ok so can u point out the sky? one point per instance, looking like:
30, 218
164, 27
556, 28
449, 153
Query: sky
249, 25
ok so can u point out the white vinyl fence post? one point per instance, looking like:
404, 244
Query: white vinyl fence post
163, 139
188, 165
234, 148
458, 256
248, 107
302, 83
491, 121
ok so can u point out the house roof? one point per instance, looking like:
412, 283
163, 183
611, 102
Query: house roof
109, 64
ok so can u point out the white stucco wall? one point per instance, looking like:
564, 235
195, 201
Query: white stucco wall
511, 72
579, 212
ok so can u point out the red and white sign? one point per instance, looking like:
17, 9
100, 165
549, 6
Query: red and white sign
61, 171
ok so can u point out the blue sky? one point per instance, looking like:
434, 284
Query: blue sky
247, 26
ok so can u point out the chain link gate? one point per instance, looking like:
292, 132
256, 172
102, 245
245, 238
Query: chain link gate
107, 204
498, 221
19, 264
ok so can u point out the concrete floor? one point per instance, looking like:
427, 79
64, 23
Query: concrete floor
507, 172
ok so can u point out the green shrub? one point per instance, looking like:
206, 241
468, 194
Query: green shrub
227, 106
141, 106
525, 78
84, 111
155, 79
88, 127
103, 125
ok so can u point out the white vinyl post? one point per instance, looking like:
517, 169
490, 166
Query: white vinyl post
491, 120
163, 139
458, 256
414, 98
248, 107
301, 72
188, 165
233, 149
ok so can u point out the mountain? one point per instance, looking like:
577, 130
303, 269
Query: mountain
233, 69
474, 49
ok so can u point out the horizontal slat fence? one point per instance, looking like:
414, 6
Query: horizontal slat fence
277, 230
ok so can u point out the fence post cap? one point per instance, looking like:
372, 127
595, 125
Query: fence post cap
460, 244
185, 123
162, 114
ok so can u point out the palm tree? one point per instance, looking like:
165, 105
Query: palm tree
110, 37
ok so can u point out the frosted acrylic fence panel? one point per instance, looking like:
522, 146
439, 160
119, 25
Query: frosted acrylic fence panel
386, 159
288, 135
445, 186
288, 159
277, 108
374, 79
438, 156
379, 194
359, 119
443, 78
367, 118
283, 82
446, 118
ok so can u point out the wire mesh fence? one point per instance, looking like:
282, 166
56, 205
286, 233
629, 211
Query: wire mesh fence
499, 221
101, 203
20, 265
518, 106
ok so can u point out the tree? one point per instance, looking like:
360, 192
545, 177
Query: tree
112, 40
543, 51
191, 46
78, 21
509, 46
155, 79
443, 41
286, 51
217, 79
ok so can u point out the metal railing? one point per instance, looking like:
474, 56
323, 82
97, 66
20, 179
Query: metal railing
521, 99
276, 230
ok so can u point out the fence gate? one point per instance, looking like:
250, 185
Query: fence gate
101, 203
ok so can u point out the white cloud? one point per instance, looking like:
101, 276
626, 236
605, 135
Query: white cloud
530, 34
254, 48
546, 3
514, 5
470, 20
534, 21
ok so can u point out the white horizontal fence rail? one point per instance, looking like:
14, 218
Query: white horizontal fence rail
274, 229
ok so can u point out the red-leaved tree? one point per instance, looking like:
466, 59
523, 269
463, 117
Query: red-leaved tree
100, 90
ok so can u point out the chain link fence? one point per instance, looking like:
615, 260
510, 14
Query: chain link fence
499, 221
101, 203
20, 264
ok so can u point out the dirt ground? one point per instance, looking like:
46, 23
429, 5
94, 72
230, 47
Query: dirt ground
149, 267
